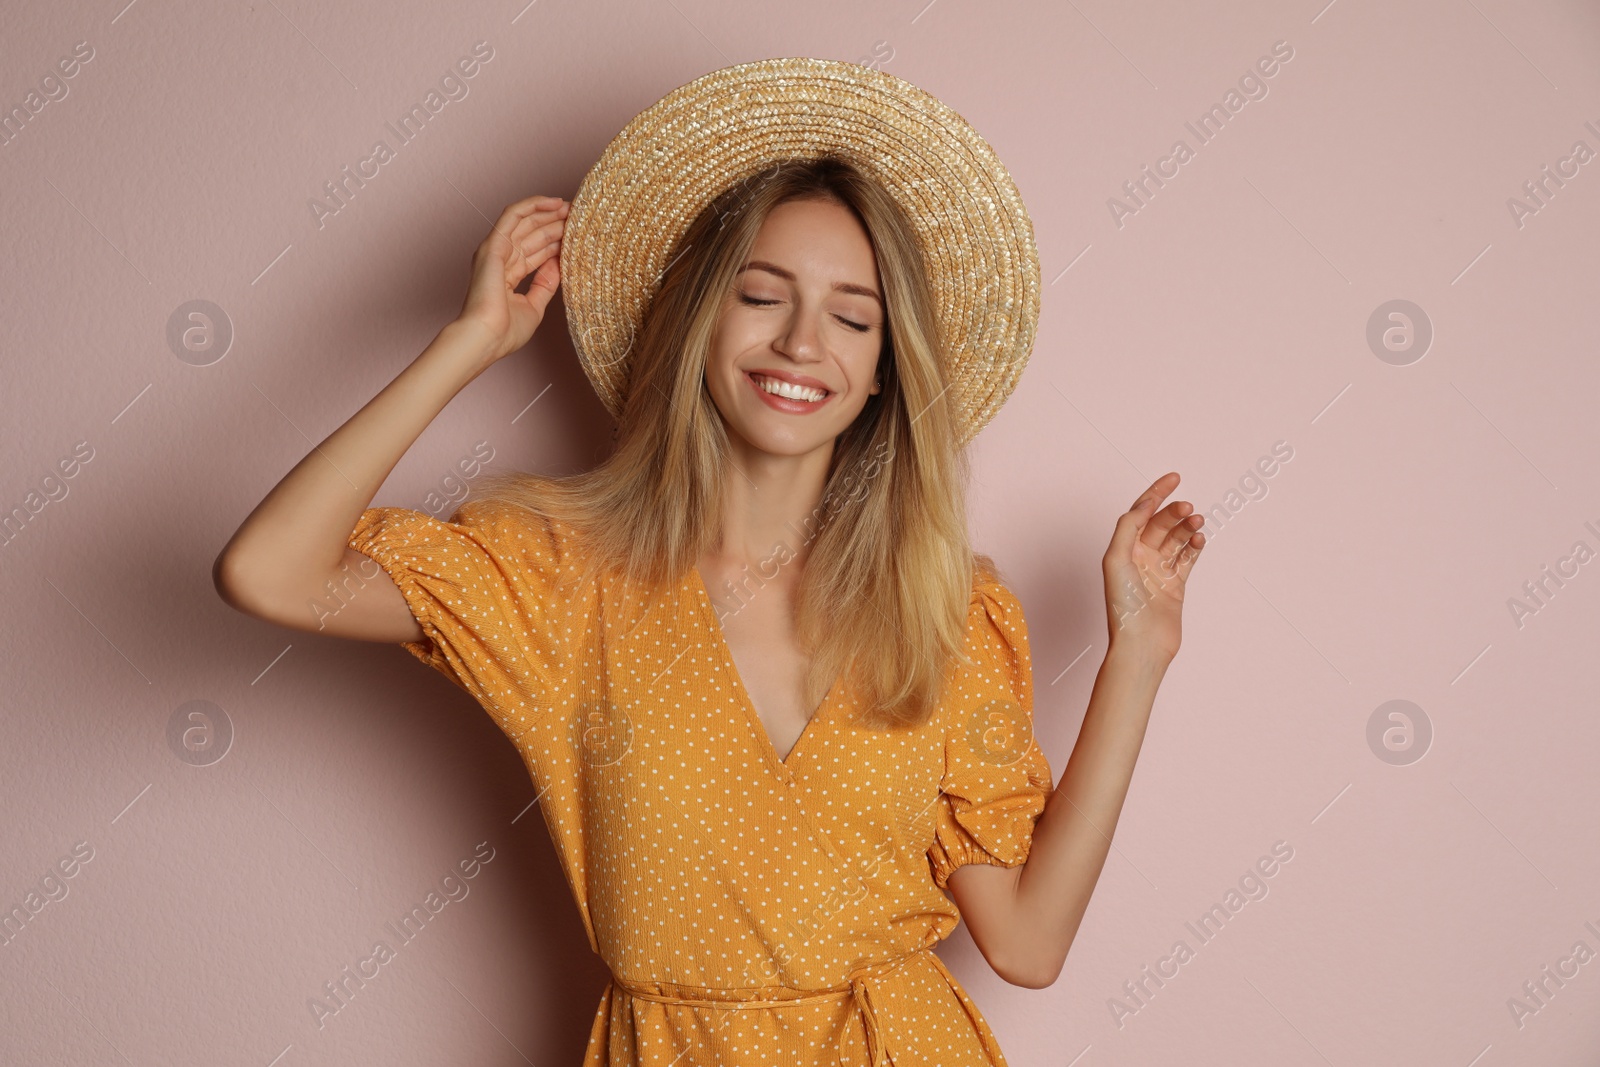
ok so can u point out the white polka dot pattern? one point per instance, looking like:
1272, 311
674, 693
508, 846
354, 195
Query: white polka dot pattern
710, 873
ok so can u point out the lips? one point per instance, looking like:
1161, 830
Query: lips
785, 404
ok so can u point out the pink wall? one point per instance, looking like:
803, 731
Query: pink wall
1225, 315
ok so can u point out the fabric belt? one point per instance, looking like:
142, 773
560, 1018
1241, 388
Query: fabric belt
860, 989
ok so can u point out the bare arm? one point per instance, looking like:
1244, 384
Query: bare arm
279, 560
284, 556
1025, 918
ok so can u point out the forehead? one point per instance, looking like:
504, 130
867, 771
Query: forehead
817, 242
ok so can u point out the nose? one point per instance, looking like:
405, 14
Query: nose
801, 337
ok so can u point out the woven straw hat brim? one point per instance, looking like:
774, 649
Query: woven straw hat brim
680, 153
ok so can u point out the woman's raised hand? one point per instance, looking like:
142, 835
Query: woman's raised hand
1147, 567
525, 240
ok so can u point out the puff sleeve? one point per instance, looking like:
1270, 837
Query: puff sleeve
486, 588
996, 777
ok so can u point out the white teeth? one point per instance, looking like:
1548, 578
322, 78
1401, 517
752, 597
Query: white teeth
787, 389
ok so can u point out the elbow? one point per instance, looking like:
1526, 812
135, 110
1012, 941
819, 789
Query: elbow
1032, 970
1038, 978
224, 579
230, 580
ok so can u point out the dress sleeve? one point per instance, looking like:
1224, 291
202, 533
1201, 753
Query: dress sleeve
485, 586
996, 777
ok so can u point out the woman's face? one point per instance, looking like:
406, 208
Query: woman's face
806, 311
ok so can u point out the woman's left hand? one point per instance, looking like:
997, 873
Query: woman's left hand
1147, 567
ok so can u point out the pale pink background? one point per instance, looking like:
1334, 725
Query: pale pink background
1223, 317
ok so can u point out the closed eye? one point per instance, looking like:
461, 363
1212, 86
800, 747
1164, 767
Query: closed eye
859, 327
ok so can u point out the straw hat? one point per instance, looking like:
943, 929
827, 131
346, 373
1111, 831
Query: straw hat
680, 153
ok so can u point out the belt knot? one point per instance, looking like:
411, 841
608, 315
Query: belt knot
860, 990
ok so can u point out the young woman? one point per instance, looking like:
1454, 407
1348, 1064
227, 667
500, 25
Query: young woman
773, 704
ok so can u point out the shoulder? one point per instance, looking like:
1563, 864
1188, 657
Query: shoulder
997, 632
491, 515
510, 526
997, 649
539, 554
997, 677
994, 601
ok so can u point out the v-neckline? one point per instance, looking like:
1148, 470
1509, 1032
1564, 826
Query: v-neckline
730, 669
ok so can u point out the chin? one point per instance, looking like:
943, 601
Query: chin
777, 445
763, 436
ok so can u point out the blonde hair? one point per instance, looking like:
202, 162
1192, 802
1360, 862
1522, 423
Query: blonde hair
887, 585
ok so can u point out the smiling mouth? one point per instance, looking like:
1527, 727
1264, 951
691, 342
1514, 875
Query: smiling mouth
788, 390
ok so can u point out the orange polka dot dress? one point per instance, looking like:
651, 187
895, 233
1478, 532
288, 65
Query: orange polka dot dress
752, 910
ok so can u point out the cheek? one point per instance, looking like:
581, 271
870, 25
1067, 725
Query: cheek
865, 360
726, 344
723, 378
733, 335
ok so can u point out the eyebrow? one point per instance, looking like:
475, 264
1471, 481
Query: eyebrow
788, 275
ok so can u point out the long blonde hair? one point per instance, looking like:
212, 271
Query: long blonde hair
887, 585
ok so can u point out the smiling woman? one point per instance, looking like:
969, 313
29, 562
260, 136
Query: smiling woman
808, 280
803, 343
820, 229
802, 287
791, 341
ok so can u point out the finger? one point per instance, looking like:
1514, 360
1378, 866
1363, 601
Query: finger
1160, 488
516, 258
525, 225
530, 238
527, 206
524, 276
1163, 521
537, 221
1131, 523
1188, 554
1180, 535
536, 210
545, 235
530, 243
541, 285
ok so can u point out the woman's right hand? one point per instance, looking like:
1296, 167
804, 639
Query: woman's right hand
525, 240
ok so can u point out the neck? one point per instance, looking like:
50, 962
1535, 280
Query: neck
771, 510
